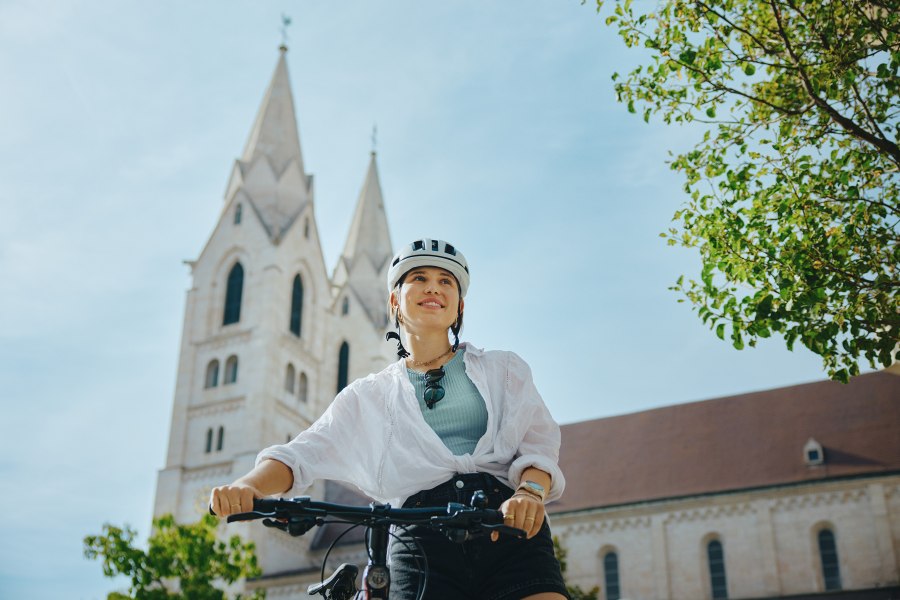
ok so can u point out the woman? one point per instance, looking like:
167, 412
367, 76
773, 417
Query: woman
443, 421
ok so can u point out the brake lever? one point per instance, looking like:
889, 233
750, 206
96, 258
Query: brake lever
248, 516
507, 530
295, 526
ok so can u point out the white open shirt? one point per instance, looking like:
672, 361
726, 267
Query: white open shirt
373, 435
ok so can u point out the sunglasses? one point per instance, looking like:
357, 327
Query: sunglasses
434, 391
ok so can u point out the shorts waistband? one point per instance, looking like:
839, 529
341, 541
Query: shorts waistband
460, 489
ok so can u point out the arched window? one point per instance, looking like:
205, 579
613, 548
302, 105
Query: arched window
611, 575
231, 366
345, 306
238, 210
289, 377
303, 391
715, 554
831, 571
233, 295
343, 366
297, 306
221, 439
306, 228
212, 374
209, 438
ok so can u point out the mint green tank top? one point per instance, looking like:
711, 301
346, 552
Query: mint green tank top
460, 418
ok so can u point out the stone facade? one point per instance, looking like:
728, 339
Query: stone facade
769, 537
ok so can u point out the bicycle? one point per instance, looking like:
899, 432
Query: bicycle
297, 516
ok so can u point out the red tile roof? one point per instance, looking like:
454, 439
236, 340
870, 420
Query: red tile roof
739, 442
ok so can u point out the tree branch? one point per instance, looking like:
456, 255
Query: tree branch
889, 148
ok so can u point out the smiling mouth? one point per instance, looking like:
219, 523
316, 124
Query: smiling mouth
431, 304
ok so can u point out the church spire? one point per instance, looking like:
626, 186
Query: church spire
269, 175
368, 249
369, 237
274, 132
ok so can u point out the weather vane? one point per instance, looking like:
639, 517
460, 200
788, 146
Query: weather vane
285, 23
374, 137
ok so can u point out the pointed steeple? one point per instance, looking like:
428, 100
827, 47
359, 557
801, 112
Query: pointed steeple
270, 173
368, 249
274, 133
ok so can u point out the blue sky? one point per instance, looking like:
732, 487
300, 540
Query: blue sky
497, 130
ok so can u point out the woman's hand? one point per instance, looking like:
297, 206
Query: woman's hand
231, 499
524, 511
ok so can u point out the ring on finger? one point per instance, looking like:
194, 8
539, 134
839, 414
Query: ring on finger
510, 516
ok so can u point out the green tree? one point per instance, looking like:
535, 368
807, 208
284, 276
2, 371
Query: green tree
575, 592
793, 189
188, 556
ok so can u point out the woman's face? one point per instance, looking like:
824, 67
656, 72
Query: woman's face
428, 299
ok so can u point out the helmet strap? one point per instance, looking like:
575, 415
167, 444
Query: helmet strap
454, 329
401, 351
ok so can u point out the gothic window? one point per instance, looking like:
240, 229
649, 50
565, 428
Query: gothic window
345, 306
306, 228
238, 210
212, 374
831, 571
233, 295
343, 366
231, 368
715, 554
303, 392
611, 575
296, 306
220, 441
289, 376
209, 440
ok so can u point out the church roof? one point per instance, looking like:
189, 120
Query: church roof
736, 443
368, 249
369, 237
270, 175
274, 132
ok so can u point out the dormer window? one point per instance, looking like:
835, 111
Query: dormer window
813, 453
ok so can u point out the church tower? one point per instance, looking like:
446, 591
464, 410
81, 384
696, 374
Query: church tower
269, 338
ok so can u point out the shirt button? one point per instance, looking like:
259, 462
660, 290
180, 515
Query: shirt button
460, 484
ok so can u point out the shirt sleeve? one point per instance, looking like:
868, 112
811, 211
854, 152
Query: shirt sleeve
329, 449
539, 446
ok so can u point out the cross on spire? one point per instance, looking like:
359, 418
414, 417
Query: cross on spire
285, 23
374, 137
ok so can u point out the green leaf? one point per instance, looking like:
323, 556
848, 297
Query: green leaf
720, 331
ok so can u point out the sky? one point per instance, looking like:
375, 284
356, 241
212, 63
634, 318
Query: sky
497, 130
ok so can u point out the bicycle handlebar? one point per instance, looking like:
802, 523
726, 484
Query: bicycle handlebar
299, 515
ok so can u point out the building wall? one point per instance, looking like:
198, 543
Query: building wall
769, 539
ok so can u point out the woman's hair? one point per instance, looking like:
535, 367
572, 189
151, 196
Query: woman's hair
395, 317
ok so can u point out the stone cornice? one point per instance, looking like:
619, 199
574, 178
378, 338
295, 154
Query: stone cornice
217, 407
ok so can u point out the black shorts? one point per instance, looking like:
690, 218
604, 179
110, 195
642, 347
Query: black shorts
508, 569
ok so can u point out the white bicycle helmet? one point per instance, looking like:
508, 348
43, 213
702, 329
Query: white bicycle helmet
429, 253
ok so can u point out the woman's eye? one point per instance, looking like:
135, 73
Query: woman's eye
445, 281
